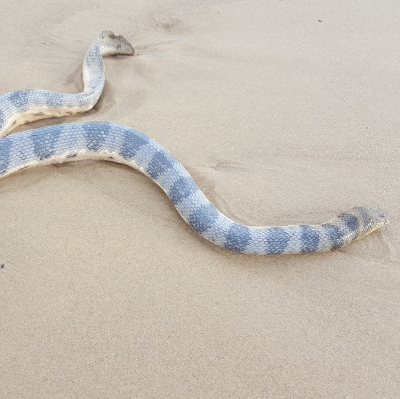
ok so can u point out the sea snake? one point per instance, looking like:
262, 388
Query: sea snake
23, 106
122, 144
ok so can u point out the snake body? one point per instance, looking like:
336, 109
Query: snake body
118, 143
122, 144
23, 106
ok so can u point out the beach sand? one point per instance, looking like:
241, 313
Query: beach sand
284, 113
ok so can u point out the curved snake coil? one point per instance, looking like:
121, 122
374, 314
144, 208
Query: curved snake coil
23, 106
121, 144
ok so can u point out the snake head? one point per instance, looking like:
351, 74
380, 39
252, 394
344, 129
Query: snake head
354, 224
370, 218
360, 221
111, 44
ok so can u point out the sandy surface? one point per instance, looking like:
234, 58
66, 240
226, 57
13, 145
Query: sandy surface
284, 112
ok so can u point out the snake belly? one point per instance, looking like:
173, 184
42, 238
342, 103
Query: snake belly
23, 106
122, 144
